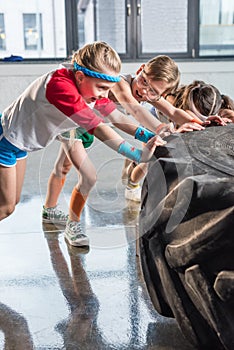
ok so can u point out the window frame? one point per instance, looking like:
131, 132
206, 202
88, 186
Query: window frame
133, 35
192, 34
2, 48
133, 31
39, 43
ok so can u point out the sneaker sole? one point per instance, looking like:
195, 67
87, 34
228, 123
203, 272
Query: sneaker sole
76, 244
77, 251
50, 227
49, 221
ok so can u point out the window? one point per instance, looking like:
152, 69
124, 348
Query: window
2, 33
35, 29
103, 20
33, 37
163, 27
216, 27
137, 29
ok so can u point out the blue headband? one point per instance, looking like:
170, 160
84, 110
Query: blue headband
94, 74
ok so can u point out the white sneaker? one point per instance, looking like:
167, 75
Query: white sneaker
54, 216
133, 193
74, 235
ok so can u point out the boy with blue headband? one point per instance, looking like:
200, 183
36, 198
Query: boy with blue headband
57, 102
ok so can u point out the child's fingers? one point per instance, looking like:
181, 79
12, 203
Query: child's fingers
154, 142
148, 151
160, 141
227, 120
217, 119
190, 127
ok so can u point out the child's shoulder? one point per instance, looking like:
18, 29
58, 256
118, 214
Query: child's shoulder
62, 77
127, 78
64, 70
124, 86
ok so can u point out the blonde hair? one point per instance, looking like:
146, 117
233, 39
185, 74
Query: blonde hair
162, 67
98, 56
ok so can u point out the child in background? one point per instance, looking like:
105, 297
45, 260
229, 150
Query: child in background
201, 100
227, 108
60, 101
153, 81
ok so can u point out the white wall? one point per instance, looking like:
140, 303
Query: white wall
14, 78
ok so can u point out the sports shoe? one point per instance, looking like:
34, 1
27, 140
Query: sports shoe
133, 193
74, 235
54, 216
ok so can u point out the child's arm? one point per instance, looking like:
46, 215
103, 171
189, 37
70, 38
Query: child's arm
123, 94
123, 122
126, 124
113, 140
177, 115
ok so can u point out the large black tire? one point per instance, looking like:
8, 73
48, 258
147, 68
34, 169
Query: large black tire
186, 229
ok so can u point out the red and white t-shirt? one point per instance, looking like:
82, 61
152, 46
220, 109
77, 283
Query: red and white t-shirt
50, 106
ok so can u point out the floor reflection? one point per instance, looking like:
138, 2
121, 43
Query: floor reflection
15, 329
57, 297
79, 330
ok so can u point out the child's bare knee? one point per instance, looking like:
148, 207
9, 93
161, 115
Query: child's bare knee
61, 171
88, 182
65, 169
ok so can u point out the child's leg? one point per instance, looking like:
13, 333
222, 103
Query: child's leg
11, 182
125, 169
135, 175
138, 173
20, 173
57, 178
87, 179
77, 154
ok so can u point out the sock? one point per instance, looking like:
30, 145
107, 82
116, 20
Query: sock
132, 184
77, 204
63, 180
54, 188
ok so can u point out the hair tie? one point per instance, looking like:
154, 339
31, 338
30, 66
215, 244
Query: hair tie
214, 101
192, 106
94, 74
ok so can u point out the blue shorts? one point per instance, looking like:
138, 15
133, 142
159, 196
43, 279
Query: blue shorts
9, 154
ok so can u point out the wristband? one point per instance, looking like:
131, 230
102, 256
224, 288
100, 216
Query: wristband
143, 134
130, 151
